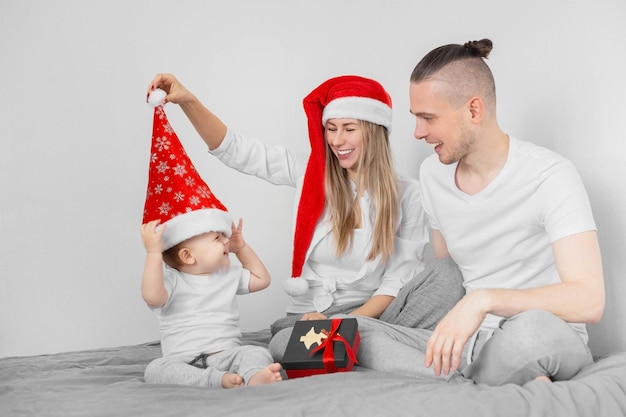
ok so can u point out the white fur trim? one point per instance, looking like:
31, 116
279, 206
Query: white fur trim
361, 108
296, 287
194, 223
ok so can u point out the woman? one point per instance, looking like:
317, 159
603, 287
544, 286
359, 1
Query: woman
360, 231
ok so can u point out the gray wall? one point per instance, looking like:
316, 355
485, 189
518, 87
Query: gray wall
75, 131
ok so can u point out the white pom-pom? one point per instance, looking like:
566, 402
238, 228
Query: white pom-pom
296, 286
155, 99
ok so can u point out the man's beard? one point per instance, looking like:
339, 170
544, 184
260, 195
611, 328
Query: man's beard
463, 148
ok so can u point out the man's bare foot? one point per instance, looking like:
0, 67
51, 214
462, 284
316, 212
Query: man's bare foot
267, 375
231, 380
543, 378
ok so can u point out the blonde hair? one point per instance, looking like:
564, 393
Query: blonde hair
375, 174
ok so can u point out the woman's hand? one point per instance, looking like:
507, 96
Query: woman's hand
176, 92
313, 316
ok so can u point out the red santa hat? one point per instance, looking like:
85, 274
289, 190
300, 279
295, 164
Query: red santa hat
176, 194
344, 97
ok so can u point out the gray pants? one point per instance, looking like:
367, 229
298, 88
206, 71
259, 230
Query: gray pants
421, 303
243, 360
527, 345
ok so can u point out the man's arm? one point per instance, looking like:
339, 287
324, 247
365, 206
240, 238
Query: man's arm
579, 298
439, 245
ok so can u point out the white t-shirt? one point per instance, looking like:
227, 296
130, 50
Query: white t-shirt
281, 166
201, 314
501, 237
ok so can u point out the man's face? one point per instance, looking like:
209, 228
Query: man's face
439, 123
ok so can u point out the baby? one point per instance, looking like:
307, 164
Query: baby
188, 279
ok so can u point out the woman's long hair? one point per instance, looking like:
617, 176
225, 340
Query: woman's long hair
375, 174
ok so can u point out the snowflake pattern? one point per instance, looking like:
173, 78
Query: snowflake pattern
162, 167
180, 170
175, 187
162, 144
203, 191
164, 208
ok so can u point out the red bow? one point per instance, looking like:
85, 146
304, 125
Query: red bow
328, 359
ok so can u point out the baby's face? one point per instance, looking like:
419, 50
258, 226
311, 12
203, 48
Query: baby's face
210, 250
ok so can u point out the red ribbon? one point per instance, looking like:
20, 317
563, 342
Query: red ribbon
328, 358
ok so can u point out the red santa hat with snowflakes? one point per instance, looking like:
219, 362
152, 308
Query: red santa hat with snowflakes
344, 97
176, 194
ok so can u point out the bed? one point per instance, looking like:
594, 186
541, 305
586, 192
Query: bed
109, 382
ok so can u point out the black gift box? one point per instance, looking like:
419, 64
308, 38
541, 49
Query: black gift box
309, 352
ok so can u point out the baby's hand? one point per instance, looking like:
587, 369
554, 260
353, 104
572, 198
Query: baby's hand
152, 236
236, 237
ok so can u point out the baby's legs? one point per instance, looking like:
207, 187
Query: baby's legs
249, 365
231, 380
178, 372
253, 363
267, 375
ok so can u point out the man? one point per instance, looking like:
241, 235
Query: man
516, 219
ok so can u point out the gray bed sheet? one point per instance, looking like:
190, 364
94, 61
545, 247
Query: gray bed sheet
109, 382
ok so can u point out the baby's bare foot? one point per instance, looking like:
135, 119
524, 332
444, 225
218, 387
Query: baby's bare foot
231, 380
267, 375
543, 378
